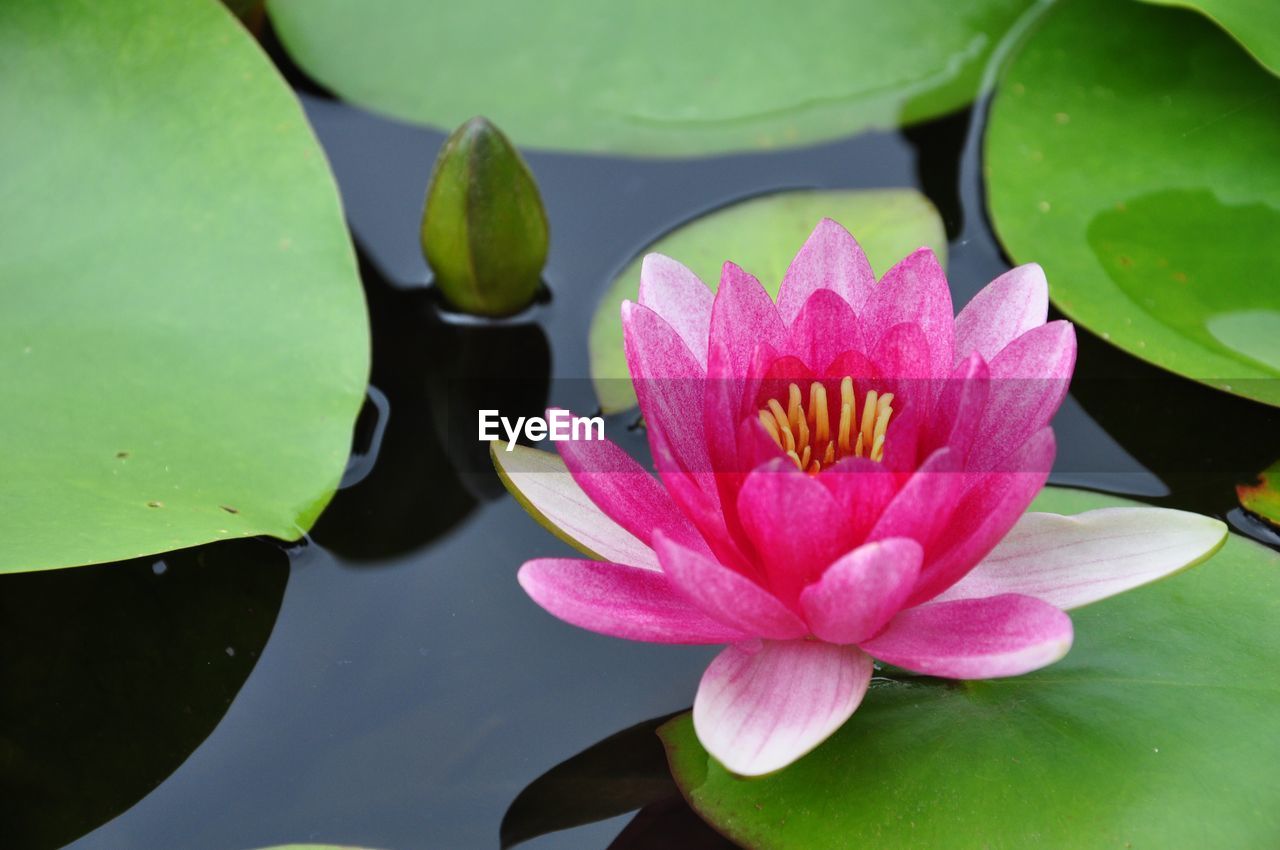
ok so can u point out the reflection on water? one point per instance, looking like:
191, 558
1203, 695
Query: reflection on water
113, 674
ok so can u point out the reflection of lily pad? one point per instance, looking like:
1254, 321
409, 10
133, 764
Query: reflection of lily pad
1159, 729
663, 77
184, 337
762, 235
1254, 23
114, 674
1263, 497
1149, 189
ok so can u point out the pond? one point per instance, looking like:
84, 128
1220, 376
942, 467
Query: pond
386, 682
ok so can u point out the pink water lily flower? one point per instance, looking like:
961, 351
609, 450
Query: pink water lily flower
842, 476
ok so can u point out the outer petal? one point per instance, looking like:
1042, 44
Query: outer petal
831, 259
1069, 561
543, 486
669, 381
915, 290
975, 638
1029, 379
726, 595
794, 524
680, 298
621, 601
759, 711
862, 590
1004, 310
622, 488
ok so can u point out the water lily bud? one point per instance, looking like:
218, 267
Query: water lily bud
484, 232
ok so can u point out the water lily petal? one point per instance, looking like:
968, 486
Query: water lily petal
626, 492
669, 384
743, 317
958, 410
679, 297
924, 504
544, 487
758, 711
1069, 561
726, 595
825, 327
1029, 379
862, 590
862, 489
698, 497
794, 525
984, 515
915, 290
620, 601
1004, 310
831, 259
975, 638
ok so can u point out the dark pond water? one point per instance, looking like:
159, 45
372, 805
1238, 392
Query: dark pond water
388, 684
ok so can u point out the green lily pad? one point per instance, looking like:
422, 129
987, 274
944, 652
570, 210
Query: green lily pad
657, 78
1148, 189
1263, 497
1254, 23
762, 235
1158, 729
183, 338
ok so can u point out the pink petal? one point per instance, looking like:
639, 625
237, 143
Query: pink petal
924, 504
831, 259
621, 601
544, 487
743, 316
1029, 379
794, 525
626, 492
670, 384
683, 301
1069, 561
758, 711
1004, 310
698, 497
862, 489
862, 590
975, 638
984, 515
824, 328
958, 410
726, 595
916, 291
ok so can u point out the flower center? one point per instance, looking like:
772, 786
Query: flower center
804, 432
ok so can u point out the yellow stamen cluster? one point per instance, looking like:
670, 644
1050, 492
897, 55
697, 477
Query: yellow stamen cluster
804, 431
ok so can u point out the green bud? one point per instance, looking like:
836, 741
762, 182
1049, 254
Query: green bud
484, 232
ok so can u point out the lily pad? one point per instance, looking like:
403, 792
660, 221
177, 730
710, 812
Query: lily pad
664, 77
1254, 23
185, 345
1157, 730
1263, 496
1148, 189
762, 235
